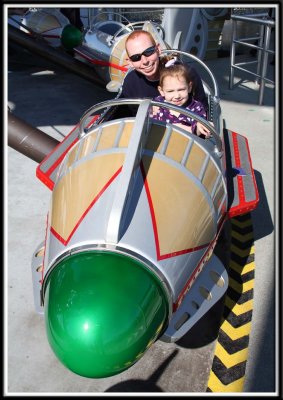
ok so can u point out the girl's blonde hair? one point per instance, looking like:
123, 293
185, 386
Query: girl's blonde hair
172, 66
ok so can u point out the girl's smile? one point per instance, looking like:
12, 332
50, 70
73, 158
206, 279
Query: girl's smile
175, 90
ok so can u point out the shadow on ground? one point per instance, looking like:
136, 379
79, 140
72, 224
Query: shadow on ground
139, 385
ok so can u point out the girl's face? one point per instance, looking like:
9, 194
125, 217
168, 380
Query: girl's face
175, 90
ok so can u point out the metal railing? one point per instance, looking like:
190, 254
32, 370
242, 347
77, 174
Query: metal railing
263, 49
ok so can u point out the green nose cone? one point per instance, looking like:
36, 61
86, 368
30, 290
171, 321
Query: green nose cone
71, 37
102, 311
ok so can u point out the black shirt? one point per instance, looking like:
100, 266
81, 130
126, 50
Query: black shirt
136, 85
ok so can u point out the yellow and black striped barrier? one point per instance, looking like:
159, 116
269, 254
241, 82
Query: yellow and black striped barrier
231, 351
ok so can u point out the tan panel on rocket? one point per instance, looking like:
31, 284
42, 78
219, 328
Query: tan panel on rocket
107, 134
126, 134
177, 146
78, 189
41, 21
182, 213
196, 159
106, 140
119, 57
87, 145
210, 176
84, 147
71, 156
156, 137
218, 196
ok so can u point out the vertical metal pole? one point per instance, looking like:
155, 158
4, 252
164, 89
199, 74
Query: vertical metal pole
111, 16
259, 55
118, 17
232, 53
89, 18
264, 62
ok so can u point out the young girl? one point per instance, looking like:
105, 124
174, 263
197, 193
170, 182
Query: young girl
175, 87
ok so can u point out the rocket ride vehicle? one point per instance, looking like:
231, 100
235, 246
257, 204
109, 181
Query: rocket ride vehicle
136, 209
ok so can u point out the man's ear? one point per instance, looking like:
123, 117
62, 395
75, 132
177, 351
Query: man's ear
129, 62
158, 49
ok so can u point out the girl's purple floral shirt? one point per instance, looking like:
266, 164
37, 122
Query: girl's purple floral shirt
195, 106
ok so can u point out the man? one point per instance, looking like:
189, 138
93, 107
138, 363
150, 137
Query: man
142, 82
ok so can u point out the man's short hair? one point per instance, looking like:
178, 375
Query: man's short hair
133, 35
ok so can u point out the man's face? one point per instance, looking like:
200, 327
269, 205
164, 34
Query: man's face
147, 65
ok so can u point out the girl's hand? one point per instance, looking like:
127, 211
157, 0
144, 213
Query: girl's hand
202, 130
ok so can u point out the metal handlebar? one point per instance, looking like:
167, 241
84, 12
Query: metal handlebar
252, 18
117, 102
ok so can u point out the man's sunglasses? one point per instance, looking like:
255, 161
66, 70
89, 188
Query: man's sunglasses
148, 52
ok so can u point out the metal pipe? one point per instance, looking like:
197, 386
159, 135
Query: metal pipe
264, 63
28, 140
262, 47
89, 19
255, 15
268, 22
232, 52
56, 56
259, 55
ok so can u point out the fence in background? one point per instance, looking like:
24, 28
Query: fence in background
262, 46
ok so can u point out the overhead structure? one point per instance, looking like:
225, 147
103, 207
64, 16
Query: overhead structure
187, 29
